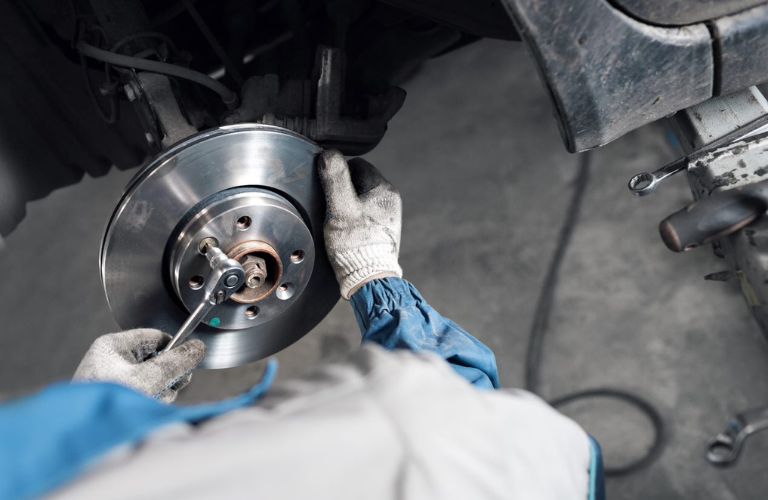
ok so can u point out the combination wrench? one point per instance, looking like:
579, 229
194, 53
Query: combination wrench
645, 183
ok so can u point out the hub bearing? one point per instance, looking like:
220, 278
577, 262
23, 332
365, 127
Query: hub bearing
252, 189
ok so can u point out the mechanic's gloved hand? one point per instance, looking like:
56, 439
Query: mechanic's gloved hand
125, 358
362, 223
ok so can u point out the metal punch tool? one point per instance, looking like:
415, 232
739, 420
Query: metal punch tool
226, 277
645, 183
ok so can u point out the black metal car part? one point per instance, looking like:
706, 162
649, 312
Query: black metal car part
609, 73
330, 70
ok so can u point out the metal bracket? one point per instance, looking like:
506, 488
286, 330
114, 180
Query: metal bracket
159, 94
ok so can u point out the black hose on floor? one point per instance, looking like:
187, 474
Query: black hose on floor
541, 322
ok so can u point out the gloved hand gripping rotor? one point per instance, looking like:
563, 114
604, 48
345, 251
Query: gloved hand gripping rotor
362, 224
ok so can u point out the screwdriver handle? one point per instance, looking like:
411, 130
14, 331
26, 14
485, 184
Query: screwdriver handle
710, 218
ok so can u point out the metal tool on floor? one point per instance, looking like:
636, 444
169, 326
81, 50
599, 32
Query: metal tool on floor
724, 450
645, 183
226, 277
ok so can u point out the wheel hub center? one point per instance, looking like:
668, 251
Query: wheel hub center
259, 229
263, 270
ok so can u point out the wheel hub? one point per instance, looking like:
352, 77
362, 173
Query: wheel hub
259, 229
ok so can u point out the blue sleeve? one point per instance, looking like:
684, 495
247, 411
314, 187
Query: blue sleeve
52, 437
392, 313
596, 471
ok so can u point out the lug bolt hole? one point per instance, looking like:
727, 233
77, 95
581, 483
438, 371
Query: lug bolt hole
251, 312
243, 223
196, 282
297, 256
285, 291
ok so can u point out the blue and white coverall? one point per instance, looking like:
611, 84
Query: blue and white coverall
424, 417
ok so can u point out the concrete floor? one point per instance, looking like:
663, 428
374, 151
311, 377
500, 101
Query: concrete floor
485, 182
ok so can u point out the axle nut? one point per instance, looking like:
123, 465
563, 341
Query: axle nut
255, 272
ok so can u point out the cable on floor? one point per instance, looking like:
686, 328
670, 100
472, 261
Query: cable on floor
541, 322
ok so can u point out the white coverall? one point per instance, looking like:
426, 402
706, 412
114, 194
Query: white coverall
354, 431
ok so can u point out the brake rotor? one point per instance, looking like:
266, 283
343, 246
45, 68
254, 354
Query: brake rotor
254, 190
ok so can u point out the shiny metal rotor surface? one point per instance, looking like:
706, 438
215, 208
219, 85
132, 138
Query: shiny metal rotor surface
275, 168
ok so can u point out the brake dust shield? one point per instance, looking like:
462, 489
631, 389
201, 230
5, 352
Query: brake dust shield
254, 189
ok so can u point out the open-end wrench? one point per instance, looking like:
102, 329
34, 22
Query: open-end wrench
725, 448
645, 183
226, 277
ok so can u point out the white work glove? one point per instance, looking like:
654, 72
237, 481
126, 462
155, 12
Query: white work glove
362, 222
127, 358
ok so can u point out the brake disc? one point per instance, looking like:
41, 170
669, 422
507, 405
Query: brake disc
252, 188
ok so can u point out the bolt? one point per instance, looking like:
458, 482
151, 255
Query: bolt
205, 243
131, 92
255, 271
231, 280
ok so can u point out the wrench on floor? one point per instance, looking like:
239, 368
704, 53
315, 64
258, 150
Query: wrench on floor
726, 447
226, 277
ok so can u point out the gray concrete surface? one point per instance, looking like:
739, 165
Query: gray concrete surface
485, 182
